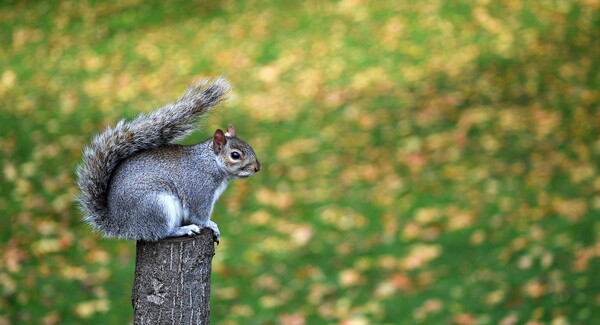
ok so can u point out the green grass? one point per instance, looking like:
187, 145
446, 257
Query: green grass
424, 162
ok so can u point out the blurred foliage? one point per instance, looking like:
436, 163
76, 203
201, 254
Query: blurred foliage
425, 162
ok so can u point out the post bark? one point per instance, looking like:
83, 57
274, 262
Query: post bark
172, 280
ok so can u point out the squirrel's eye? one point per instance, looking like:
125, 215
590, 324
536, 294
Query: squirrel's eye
235, 155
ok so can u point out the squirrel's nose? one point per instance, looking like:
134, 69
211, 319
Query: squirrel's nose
256, 167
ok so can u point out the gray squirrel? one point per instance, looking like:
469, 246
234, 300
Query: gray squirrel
137, 184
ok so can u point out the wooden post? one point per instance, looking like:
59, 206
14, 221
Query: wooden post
172, 280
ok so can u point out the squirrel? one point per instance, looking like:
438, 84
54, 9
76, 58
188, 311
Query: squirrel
137, 184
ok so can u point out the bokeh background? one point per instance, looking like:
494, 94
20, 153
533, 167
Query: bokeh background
425, 162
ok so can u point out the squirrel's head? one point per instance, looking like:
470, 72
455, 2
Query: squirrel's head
235, 155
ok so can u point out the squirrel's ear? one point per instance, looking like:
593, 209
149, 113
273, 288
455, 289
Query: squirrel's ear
219, 141
230, 131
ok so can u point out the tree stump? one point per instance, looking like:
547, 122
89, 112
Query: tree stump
172, 280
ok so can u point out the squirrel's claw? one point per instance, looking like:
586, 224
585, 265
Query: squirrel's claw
216, 233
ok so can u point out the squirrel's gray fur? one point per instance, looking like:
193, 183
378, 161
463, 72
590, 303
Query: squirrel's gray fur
137, 184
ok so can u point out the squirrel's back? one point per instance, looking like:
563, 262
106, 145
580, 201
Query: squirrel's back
148, 131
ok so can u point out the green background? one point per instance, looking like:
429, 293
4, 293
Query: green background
424, 162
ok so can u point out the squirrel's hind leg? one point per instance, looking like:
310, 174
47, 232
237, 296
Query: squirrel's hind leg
188, 230
150, 218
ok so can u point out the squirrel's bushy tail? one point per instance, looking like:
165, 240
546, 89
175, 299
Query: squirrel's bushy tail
147, 131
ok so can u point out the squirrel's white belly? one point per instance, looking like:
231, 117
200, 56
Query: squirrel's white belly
174, 211
217, 194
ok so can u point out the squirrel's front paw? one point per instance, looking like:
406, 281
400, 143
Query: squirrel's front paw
216, 233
